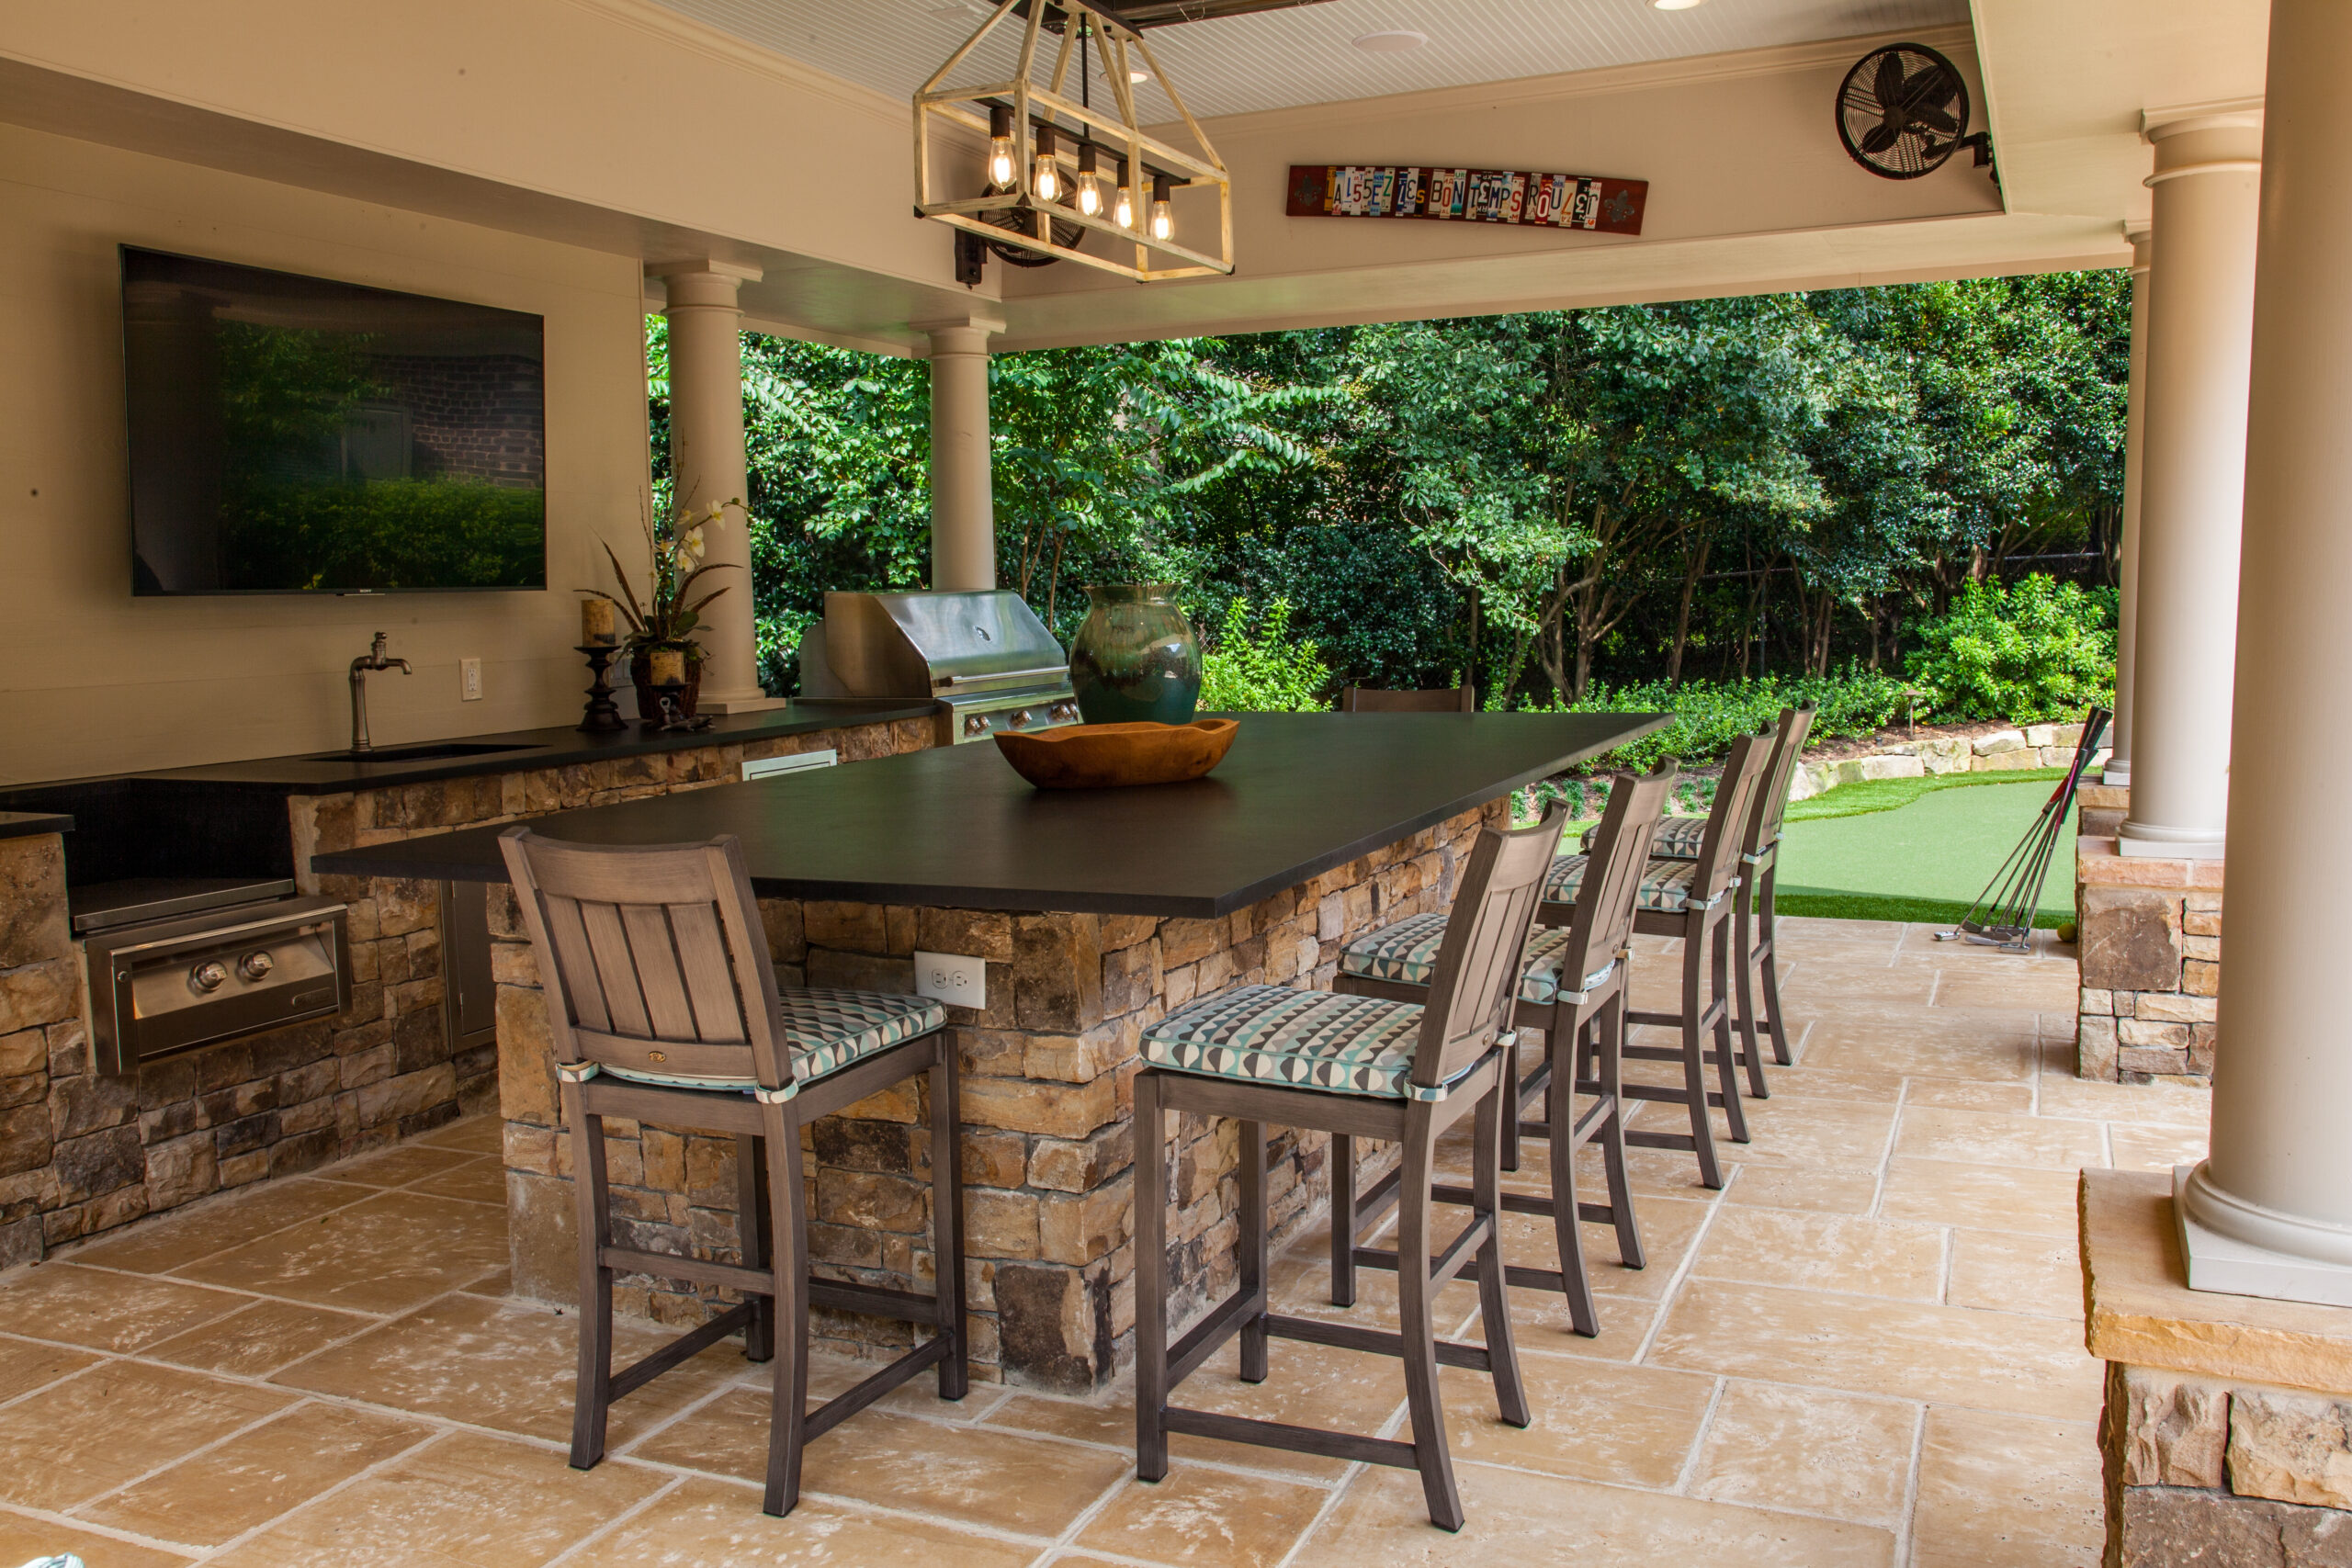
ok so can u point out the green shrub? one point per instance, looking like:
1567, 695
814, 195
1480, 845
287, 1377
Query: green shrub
1708, 717
1266, 672
2036, 651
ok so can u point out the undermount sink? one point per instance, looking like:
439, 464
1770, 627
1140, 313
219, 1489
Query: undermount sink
424, 751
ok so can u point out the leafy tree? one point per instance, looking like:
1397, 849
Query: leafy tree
1261, 672
2040, 649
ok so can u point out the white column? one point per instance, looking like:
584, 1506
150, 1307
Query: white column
706, 466
2200, 327
2127, 564
2270, 1213
963, 499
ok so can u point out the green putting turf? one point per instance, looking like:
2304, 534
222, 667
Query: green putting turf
1923, 860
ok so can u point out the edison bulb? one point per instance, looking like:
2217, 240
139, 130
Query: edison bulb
1123, 211
1163, 220
1000, 159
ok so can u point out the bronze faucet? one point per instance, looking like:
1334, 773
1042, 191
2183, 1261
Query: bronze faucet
372, 660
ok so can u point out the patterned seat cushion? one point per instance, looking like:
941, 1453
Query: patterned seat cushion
825, 1031
1677, 837
1666, 884
1406, 954
1317, 1040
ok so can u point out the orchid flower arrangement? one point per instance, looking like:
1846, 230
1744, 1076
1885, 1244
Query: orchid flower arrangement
670, 612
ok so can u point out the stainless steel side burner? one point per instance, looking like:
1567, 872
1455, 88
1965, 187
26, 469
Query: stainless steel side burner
171, 965
985, 658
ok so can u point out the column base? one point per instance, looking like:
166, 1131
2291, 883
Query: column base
753, 701
2117, 772
2167, 843
2225, 1265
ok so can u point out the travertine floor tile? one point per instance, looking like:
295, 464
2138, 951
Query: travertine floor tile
2050, 987
1668, 1227
258, 1340
1207, 1518
2017, 1273
475, 1135
251, 1479
1957, 1355
116, 1421
398, 1167
1539, 1320
2157, 1148
1809, 1080
1808, 1450
2164, 1104
717, 1524
24, 1540
1633, 1425
480, 1181
1517, 1520
1931, 1133
1112, 1425
1826, 1252
1988, 1197
1982, 1044
467, 1500
2001, 1492
1810, 1132
504, 1365
155, 1246
1824, 984
104, 1311
1971, 1094
395, 1251
1813, 1189
26, 1365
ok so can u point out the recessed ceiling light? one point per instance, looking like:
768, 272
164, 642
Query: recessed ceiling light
1676, 5
1396, 42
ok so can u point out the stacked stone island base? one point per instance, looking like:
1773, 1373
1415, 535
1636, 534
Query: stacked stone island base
1047, 1090
2227, 1436
2149, 943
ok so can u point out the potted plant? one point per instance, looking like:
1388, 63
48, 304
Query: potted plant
671, 610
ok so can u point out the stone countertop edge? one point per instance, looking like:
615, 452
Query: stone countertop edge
27, 824
472, 855
559, 746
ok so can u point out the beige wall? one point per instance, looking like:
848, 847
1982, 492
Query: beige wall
93, 680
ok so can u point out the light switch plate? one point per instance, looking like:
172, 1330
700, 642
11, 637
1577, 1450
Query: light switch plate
469, 680
952, 979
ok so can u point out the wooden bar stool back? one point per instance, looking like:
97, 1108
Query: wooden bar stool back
1443, 699
663, 1007
1575, 990
1753, 915
1689, 900
1402, 1072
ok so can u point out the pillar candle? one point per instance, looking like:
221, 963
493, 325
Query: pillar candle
596, 625
669, 667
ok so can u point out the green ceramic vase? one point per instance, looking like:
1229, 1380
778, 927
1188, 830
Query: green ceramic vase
1136, 659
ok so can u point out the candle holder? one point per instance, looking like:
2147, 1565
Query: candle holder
604, 715
669, 700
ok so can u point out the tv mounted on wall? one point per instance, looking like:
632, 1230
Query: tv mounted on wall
296, 435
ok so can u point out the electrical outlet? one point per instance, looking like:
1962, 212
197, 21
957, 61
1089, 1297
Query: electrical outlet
469, 680
952, 979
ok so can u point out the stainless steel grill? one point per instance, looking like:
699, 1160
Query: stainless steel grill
985, 658
174, 965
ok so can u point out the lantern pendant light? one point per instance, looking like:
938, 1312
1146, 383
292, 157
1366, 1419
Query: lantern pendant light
1032, 210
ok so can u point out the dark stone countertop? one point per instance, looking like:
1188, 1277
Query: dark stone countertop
956, 827
25, 824
527, 750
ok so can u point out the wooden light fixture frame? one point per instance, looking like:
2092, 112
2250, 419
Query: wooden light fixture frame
1036, 108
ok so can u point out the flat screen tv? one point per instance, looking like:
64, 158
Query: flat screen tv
296, 435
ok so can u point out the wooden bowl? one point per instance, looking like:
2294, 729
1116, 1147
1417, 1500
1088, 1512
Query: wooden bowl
1107, 756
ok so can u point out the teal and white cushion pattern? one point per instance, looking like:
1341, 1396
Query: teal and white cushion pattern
1677, 837
824, 1031
1406, 954
1666, 884
1271, 1034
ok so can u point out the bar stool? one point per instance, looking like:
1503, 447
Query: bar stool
1440, 699
663, 1008
1582, 1022
1677, 837
1690, 901
1402, 1072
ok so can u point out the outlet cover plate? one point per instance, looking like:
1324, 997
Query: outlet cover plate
469, 680
952, 979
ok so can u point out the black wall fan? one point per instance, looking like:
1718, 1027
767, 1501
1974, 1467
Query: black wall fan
1902, 111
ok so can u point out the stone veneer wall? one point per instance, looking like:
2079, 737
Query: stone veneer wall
2149, 945
1048, 1143
82, 1152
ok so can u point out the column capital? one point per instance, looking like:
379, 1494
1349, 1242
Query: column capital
2180, 120
709, 284
703, 266
967, 331
2141, 235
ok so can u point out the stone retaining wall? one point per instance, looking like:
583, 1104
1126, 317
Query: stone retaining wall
82, 1152
2037, 746
1047, 1142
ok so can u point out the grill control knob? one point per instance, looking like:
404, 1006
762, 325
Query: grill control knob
1063, 711
1021, 719
208, 975
977, 724
256, 965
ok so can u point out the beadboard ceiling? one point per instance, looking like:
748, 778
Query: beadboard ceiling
1306, 55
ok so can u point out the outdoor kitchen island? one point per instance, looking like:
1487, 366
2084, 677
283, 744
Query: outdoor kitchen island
1096, 912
